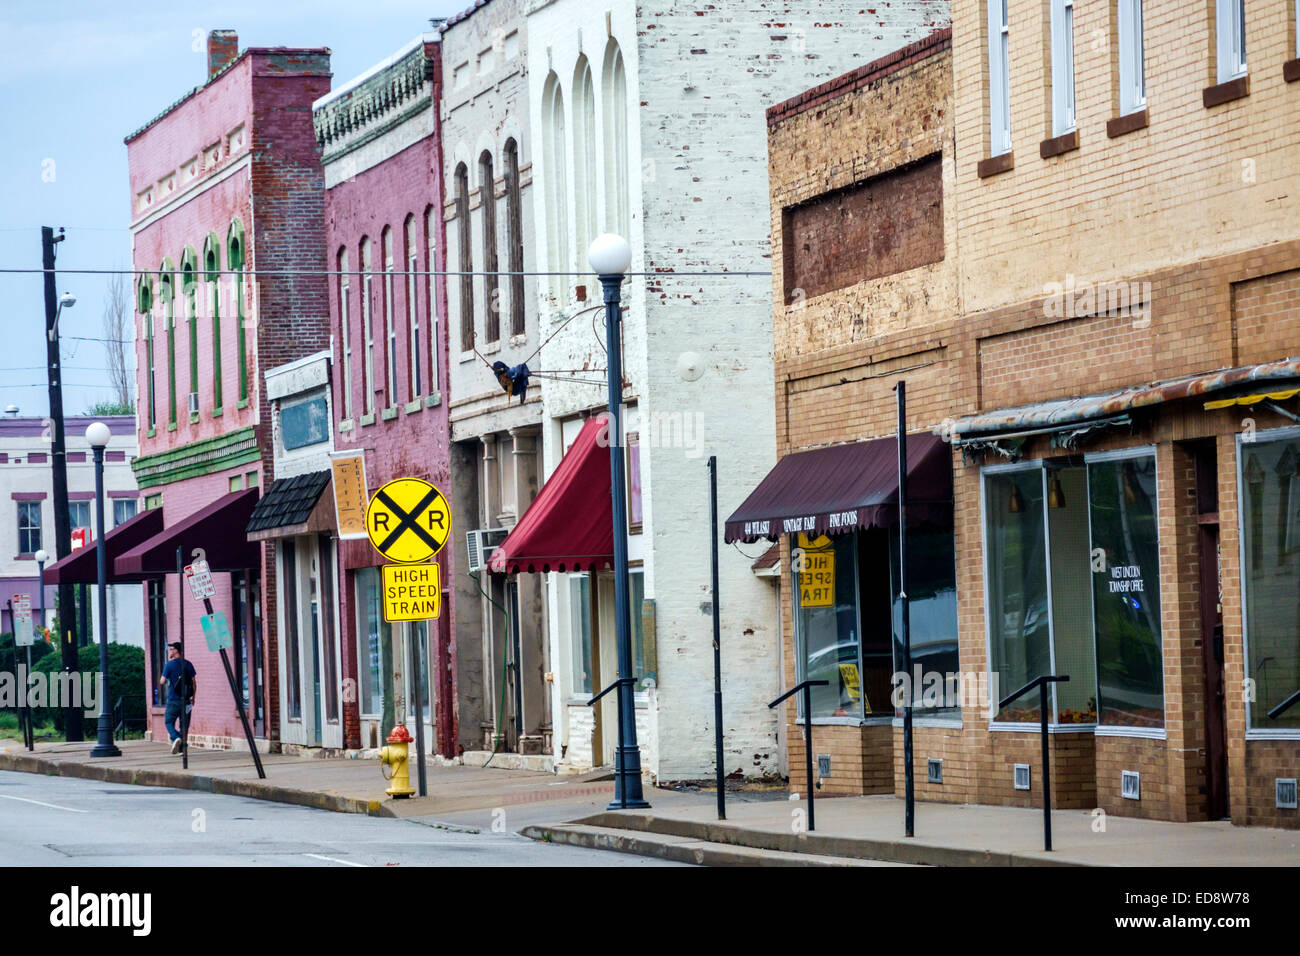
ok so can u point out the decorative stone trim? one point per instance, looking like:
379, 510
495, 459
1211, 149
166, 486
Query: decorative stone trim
1065, 143
994, 165
202, 457
1131, 123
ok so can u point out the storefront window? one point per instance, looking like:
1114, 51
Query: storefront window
293, 677
1072, 632
642, 664
1016, 579
1270, 529
375, 647
327, 630
932, 618
580, 623
826, 622
1126, 591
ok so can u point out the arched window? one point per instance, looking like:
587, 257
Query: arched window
390, 321
556, 199
345, 330
515, 238
367, 333
212, 274
432, 220
466, 264
614, 98
235, 254
584, 163
144, 305
413, 310
491, 287
167, 292
190, 290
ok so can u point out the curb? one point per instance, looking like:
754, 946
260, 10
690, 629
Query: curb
256, 789
889, 851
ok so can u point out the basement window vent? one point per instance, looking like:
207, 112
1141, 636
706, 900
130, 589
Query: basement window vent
823, 765
934, 770
1285, 791
1021, 779
1130, 785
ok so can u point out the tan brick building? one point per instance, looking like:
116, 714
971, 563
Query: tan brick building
1076, 239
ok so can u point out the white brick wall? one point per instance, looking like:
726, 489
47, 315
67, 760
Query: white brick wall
699, 80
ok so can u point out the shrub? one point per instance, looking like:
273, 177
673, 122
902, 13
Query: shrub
125, 680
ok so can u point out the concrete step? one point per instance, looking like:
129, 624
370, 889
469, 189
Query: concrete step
682, 849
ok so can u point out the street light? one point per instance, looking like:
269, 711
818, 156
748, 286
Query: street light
98, 434
66, 301
610, 257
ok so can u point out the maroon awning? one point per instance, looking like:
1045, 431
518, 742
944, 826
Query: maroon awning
570, 524
80, 566
845, 487
218, 529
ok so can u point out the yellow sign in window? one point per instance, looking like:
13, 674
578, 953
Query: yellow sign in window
412, 592
817, 579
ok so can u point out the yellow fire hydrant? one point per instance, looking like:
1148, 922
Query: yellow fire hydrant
396, 756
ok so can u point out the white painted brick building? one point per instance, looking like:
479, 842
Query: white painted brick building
672, 153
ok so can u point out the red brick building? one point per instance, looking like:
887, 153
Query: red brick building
380, 138
227, 204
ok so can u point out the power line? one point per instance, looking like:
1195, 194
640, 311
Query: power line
658, 274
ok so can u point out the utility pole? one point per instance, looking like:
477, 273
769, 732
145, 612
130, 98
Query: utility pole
59, 463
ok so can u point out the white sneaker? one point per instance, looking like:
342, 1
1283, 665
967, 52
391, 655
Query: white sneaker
176, 745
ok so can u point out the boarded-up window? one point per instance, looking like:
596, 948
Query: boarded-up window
888, 224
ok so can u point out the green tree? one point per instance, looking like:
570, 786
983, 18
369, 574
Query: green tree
125, 679
111, 408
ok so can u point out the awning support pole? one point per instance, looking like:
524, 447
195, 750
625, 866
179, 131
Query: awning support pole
719, 769
909, 774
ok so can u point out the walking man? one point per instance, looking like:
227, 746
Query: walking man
182, 686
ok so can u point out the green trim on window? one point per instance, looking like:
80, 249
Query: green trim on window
242, 403
236, 252
212, 272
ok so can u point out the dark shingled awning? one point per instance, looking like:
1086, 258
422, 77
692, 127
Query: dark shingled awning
288, 503
845, 487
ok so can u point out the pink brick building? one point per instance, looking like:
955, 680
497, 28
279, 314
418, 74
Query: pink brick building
380, 137
226, 197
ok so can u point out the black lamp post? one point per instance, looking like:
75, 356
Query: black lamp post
98, 434
610, 257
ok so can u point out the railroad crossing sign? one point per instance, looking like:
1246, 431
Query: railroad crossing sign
412, 592
408, 520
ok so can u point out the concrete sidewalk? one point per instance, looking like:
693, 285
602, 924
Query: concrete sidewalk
858, 829
342, 785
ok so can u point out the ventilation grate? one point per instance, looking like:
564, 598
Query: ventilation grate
1130, 785
823, 765
934, 770
1285, 791
1021, 778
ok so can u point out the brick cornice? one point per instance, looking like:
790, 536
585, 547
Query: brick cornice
927, 46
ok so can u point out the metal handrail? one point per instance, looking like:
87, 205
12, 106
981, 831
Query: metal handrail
1286, 705
621, 680
1041, 682
805, 686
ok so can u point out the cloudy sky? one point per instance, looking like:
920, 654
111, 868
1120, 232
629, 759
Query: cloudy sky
77, 77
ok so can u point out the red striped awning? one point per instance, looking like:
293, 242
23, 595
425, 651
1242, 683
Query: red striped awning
570, 524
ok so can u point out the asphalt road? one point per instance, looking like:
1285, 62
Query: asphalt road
62, 821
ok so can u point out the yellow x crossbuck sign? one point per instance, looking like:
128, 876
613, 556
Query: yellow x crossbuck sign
408, 520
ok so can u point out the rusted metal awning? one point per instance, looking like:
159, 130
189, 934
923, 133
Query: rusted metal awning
1069, 420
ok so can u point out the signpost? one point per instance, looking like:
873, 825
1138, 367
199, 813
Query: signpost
24, 636
217, 633
20, 619
408, 521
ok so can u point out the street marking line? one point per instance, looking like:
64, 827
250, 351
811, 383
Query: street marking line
40, 803
331, 859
